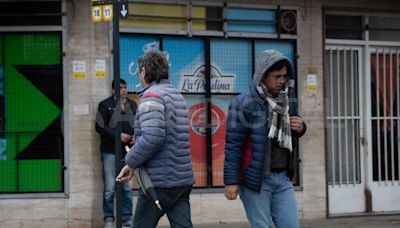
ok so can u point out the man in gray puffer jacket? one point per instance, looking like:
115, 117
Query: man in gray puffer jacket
162, 146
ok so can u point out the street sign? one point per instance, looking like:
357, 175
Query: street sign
97, 13
107, 12
102, 10
124, 10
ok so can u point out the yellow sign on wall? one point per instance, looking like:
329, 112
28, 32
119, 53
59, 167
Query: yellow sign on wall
100, 68
107, 13
101, 12
97, 13
78, 69
311, 82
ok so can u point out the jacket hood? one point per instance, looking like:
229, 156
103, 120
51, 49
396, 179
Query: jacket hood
265, 60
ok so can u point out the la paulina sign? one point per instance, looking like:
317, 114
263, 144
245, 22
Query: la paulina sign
196, 82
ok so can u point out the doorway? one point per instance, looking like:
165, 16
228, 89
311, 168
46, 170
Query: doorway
362, 117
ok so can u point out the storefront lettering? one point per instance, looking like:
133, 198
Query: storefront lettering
196, 82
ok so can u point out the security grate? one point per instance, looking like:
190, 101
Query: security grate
385, 114
343, 116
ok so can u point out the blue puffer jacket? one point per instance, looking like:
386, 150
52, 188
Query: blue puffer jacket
162, 137
247, 129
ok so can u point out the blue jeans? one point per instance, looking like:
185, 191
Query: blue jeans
108, 162
276, 200
174, 203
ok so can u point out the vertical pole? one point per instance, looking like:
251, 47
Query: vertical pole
346, 115
385, 133
378, 129
353, 95
118, 152
339, 132
209, 120
390, 101
331, 115
398, 111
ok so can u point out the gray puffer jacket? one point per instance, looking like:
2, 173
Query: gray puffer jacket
162, 137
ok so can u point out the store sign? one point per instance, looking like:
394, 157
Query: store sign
196, 83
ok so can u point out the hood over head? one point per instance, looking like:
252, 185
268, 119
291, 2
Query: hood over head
265, 60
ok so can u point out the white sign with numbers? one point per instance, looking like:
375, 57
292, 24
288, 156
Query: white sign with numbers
107, 12
97, 13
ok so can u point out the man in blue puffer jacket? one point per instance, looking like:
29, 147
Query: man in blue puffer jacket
259, 145
162, 146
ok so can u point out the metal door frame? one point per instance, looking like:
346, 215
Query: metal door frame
377, 202
385, 194
340, 194
373, 202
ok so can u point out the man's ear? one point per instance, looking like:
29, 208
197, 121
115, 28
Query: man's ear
143, 72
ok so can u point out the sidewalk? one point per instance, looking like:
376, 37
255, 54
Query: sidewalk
388, 221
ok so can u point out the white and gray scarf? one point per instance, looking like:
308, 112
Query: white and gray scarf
279, 108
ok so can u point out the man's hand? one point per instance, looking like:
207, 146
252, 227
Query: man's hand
296, 124
125, 175
231, 191
133, 141
125, 138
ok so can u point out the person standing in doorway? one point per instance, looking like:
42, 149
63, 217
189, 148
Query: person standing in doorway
162, 147
258, 150
111, 111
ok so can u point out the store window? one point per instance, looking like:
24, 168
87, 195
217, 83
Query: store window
27, 13
31, 97
31, 140
211, 48
384, 28
343, 27
251, 20
230, 73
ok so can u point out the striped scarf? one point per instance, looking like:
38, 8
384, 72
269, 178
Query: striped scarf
279, 116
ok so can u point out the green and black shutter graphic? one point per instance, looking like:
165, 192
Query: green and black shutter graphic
31, 113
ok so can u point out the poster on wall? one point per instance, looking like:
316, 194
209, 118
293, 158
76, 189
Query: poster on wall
220, 104
231, 65
185, 56
198, 145
229, 75
132, 47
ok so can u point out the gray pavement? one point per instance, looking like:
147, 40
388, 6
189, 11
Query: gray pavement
373, 221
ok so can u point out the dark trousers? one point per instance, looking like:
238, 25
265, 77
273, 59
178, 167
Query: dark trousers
174, 203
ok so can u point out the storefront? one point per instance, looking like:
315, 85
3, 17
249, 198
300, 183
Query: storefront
210, 66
